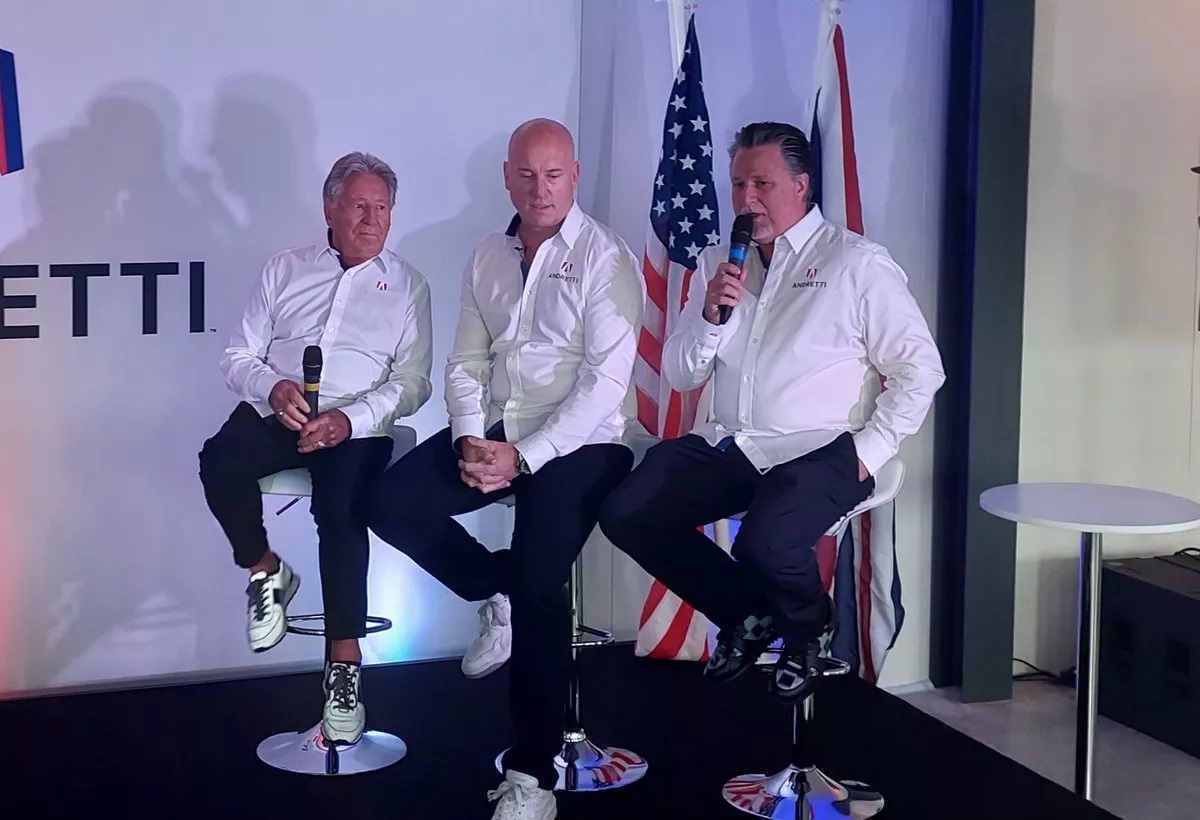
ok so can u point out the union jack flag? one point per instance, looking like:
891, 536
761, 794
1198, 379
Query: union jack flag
861, 572
684, 220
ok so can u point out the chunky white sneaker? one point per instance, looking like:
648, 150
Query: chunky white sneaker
521, 799
345, 717
492, 646
269, 596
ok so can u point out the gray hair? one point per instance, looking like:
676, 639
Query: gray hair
353, 163
790, 139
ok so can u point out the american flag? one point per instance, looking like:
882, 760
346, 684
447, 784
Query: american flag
683, 221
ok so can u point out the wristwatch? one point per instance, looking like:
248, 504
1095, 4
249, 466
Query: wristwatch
522, 465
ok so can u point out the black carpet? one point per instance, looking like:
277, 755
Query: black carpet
189, 751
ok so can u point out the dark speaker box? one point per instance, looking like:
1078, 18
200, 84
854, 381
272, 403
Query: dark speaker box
1150, 646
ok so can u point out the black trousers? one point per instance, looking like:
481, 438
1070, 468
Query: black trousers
556, 510
684, 483
249, 447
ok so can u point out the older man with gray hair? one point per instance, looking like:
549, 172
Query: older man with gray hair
368, 311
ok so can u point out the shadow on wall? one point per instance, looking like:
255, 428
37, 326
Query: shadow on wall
132, 567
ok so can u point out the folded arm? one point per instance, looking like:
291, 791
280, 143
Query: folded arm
243, 363
690, 351
612, 315
407, 386
901, 348
469, 367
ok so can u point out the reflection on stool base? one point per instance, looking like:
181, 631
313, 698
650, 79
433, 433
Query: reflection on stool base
776, 795
595, 768
309, 753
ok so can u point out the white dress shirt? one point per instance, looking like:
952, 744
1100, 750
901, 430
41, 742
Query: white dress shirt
798, 362
551, 357
371, 321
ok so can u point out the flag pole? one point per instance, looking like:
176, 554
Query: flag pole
678, 12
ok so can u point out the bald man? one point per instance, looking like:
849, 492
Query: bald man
541, 407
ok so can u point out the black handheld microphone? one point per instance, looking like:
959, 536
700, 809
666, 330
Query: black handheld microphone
312, 378
739, 243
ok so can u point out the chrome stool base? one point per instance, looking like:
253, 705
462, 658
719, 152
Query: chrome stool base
309, 753
820, 797
594, 768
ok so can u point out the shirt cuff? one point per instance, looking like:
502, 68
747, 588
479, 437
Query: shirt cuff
263, 384
872, 450
466, 426
360, 419
707, 337
537, 449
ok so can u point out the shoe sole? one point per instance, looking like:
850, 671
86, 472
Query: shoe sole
280, 630
487, 670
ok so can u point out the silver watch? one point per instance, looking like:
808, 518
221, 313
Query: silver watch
522, 464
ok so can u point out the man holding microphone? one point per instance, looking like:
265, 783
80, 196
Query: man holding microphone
815, 316
368, 312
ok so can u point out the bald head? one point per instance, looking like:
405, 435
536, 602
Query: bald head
541, 130
541, 172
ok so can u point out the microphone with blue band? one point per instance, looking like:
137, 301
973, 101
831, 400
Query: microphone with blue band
739, 243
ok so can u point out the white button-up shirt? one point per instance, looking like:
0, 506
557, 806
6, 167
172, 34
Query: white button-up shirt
371, 321
798, 363
552, 356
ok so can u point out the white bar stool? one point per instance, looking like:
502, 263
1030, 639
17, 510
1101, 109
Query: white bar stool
802, 790
582, 765
307, 752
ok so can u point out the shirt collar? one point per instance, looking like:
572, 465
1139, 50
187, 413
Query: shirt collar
329, 249
570, 229
803, 230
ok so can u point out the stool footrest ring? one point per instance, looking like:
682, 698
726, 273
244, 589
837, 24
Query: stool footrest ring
309, 753
820, 796
583, 766
375, 623
599, 637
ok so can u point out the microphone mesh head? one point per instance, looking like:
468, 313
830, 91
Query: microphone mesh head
743, 229
312, 356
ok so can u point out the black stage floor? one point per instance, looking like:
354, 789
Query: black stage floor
189, 751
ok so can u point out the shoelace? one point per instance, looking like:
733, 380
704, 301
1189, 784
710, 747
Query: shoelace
504, 788
342, 686
260, 597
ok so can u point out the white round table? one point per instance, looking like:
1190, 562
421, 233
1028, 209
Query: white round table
1090, 509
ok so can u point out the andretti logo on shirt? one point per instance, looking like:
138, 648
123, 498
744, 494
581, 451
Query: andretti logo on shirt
810, 280
11, 156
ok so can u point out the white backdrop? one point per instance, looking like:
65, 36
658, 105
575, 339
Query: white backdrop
203, 133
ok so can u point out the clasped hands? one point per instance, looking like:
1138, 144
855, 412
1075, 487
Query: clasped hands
328, 429
487, 465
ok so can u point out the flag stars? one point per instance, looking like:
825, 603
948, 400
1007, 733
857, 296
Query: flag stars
678, 200
685, 226
697, 188
679, 102
692, 250
707, 149
658, 183
699, 123
676, 129
660, 207
705, 212
687, 162
714, 238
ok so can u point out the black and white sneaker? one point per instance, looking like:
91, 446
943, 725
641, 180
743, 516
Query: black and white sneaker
797, 674
737, 649
345, 717
269, 594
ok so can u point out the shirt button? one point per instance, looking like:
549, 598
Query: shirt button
754, 340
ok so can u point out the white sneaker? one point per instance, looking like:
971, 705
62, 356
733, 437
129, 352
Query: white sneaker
521, 799
267, 610
492, 646
345, 717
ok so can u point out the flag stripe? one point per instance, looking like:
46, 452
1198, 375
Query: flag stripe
854, 217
